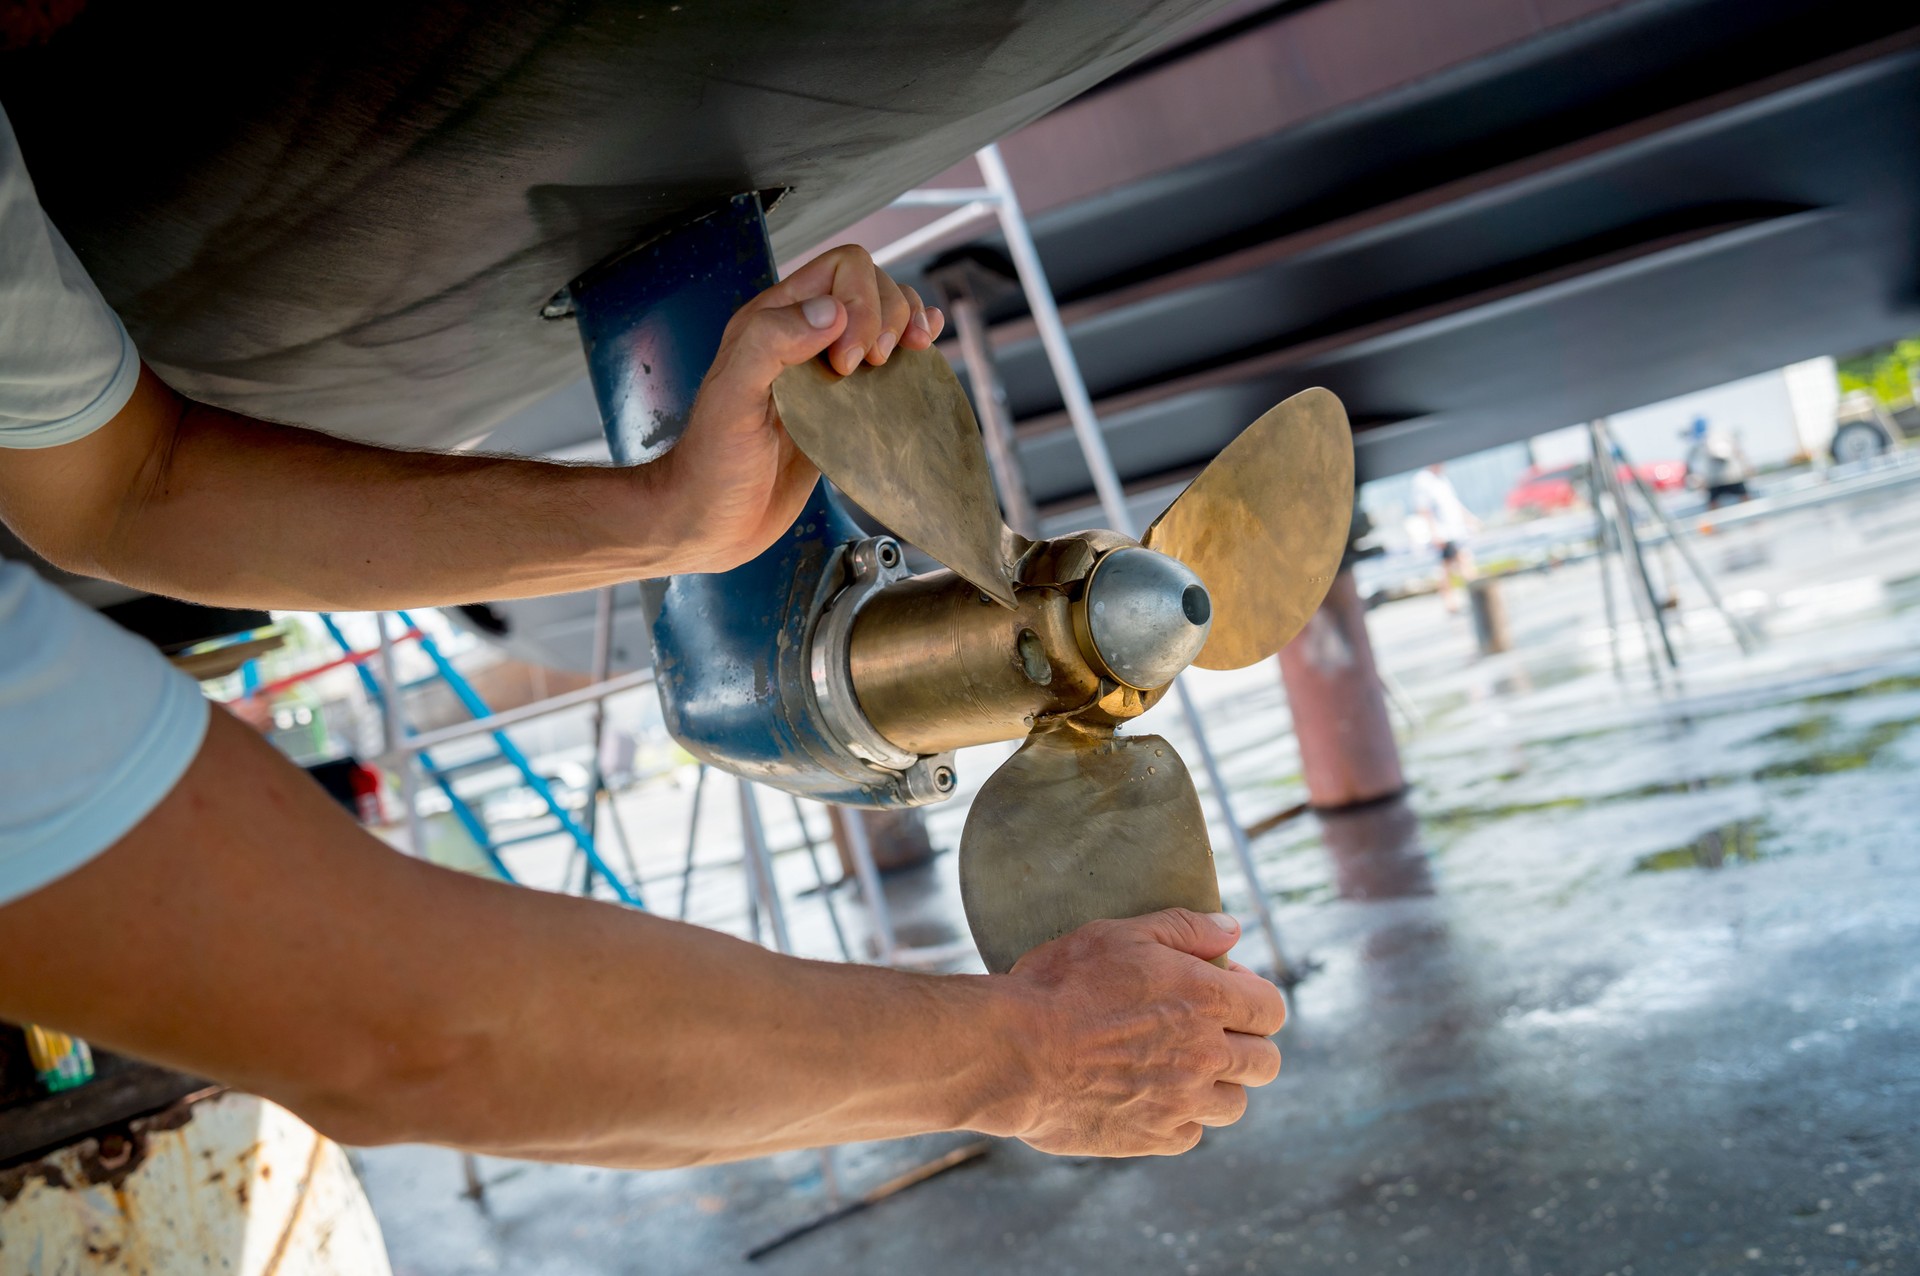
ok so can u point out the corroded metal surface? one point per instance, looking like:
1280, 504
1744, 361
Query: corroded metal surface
901, 440
1079, 826
1339, 708
233, 1184
1264, 526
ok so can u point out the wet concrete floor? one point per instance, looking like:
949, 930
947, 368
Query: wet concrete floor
1630, 984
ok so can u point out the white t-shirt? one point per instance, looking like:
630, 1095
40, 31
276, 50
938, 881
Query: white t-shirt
1434, 497
95, 727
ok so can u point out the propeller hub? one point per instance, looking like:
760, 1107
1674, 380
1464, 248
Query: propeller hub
1145, 616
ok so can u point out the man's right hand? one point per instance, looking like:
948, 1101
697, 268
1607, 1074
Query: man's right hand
1137, 1042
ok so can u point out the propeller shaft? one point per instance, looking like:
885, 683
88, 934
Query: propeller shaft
937, 665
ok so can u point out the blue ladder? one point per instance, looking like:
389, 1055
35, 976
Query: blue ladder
505, 750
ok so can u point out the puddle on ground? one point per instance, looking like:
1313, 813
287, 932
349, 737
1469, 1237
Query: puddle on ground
1862, 750
1805, 731
1878, 687
1824, 755
1735, 843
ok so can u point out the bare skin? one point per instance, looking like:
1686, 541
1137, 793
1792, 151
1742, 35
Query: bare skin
182, 498
249, 931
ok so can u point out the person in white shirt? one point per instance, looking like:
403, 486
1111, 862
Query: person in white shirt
1448, 523
239, 925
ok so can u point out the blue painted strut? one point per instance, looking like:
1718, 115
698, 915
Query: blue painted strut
506, 751
730, 649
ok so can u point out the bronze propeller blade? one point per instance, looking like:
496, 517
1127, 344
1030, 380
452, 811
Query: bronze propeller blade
901, 440
1079, 826
1265, 525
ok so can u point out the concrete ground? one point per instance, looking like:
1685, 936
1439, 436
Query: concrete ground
1629, 985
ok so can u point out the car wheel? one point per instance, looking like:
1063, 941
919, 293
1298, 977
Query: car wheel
1859, 441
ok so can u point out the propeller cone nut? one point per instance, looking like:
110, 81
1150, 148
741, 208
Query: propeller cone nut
1144, 616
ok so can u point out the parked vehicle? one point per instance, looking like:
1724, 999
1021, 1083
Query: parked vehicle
1864, 429
1550, 489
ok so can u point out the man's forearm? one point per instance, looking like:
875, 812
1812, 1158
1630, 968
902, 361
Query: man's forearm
232, 511
261, 938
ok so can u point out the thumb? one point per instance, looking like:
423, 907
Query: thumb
1205, 935
766, 342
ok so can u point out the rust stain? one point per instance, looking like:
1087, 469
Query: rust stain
14, 1181
299, 1204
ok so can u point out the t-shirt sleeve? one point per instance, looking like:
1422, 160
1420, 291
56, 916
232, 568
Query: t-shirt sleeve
95, 729
67, 364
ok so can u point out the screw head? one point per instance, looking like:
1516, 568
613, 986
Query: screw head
889, 553
943, 778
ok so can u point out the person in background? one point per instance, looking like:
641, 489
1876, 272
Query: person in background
1716, 465
1448, 523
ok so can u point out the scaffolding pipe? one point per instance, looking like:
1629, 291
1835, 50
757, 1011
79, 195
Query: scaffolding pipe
765, 890
860, 849
1106, 482
1053, 337
938, 233
1603, 547
1631, 535
760, 874
693, 835
395, 740
1741, 633
509, 717
1646, 603
996, 421
820, 878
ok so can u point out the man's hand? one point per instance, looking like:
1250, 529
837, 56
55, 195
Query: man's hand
181, 498
735, 477
1139, 1043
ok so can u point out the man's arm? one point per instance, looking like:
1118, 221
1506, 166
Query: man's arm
182, 498
249, 931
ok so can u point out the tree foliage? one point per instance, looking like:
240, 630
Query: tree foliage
1890, 373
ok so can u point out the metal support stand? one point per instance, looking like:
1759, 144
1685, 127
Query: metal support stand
820, 880
766, 888
394, 735
1283, 971
868, 874
602, 666
1604, 465
766, 891
693, 835
1603, 548
960, 284
1106, 483
1741, 633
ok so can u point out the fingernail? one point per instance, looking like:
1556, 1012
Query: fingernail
1225, 922
885, 345
819, 311
854, 356
920, 321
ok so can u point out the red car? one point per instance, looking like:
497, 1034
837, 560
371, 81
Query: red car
1547, 490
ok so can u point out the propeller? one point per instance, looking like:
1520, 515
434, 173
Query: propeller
1065, 640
